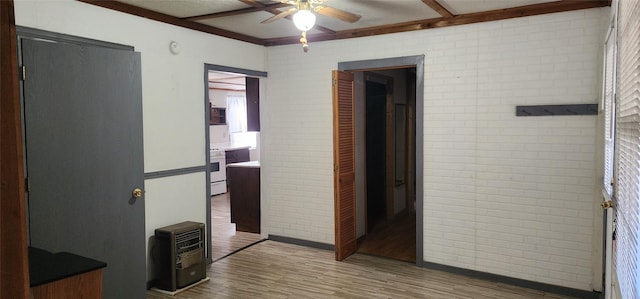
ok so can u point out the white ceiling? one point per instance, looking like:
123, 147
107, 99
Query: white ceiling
226, 81
377, 16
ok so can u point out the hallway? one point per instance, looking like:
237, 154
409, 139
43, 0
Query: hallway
395, 240
225, 239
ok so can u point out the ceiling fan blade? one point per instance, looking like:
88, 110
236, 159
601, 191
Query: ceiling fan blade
338, 14
280, 15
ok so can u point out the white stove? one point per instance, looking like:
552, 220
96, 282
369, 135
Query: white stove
218, 171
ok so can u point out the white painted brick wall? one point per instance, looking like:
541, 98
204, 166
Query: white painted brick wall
502, 194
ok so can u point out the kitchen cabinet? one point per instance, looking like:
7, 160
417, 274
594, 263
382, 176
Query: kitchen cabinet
236, 155
252, 87
217, 116
244, 195
64, 275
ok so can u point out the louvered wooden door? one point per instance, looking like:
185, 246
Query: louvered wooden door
344, 164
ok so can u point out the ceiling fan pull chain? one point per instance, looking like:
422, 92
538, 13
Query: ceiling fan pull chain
303, 40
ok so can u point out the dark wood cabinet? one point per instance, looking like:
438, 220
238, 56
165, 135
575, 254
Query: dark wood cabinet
253, 104
244, 195
217, 116
236, 155
64, 275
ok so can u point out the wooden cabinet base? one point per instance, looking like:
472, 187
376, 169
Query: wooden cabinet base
86, 285
244, 196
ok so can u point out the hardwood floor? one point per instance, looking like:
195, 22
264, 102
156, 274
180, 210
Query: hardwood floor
225, 239
277, 270
396, 240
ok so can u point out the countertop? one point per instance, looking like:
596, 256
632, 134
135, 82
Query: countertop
250, 164
227, 146
45, 267
233, 148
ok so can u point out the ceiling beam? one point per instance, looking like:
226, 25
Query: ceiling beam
236, 12
226, 78
438, 8
156, 16
493, 15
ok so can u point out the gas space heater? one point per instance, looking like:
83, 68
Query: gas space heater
179, 259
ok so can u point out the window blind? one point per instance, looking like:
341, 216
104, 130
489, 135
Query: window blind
628, 149
608, 104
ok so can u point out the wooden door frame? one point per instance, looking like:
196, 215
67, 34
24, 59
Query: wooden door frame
14, 270
370, 75
416, 61
410, 140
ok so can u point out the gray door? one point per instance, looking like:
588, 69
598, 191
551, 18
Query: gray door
83, 137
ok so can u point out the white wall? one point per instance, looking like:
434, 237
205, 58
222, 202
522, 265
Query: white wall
172, 93
508, 195
218, 98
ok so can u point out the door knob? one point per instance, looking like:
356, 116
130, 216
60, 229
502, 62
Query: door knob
137, 193
606, 204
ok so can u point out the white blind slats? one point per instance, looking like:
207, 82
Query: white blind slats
609, 117
627, 149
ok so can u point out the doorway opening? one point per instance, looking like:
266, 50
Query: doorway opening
387, 120
232, 139
390, 229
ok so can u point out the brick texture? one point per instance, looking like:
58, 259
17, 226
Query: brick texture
502, 194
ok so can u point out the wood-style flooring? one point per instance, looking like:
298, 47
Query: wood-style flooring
396, 239
277, 270
224, 237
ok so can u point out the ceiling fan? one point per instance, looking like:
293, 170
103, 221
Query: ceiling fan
304, 19
305, 8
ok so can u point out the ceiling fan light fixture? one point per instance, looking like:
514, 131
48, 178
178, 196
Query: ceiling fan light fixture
304, 19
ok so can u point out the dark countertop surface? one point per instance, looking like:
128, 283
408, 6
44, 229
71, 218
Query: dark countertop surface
250, 164
45, 267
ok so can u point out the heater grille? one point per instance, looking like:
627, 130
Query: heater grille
180, 255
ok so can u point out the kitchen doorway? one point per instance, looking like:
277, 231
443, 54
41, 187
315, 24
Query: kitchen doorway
400, 219
232, 139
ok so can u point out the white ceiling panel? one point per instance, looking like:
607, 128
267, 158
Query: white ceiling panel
188, 8
227, 81
377, 13
459, 7
243, 17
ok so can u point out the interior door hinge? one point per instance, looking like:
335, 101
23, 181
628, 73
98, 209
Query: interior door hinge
23, 72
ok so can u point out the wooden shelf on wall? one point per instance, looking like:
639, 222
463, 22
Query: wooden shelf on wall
550, 110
